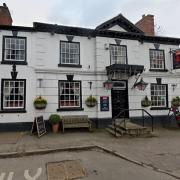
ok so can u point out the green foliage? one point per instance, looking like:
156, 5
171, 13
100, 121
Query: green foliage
175, 101
91, 101
54, 119
40, 100
146, 102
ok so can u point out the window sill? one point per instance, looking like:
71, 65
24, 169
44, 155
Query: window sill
158, 70
70, 109
14, 62
70, 65
13, 111
159, 108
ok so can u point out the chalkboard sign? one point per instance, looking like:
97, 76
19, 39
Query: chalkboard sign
104, 103
38, 126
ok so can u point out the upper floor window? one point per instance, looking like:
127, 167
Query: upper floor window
13, 94
159, 95
157, 60
69, 53
69, 94
118, 54
14, 50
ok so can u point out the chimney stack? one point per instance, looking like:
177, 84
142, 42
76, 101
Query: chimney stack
5, 15
146, 24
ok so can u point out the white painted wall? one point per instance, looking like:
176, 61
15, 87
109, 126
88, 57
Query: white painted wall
43, 58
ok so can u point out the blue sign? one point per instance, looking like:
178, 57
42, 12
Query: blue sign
104, 103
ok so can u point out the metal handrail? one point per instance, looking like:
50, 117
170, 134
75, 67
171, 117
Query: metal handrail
123, 111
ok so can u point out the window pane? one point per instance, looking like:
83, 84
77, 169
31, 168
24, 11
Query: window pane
69, 53
118, 54
13, 94
14, 49
156, 59
158, 95
69, 93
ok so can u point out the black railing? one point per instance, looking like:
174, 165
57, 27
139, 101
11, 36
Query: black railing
146, 116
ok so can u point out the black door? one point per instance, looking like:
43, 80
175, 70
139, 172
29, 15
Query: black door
119, 98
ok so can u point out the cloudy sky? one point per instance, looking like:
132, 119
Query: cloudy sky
90, 13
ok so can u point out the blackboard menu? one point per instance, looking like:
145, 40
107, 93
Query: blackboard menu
39, 126
104, 103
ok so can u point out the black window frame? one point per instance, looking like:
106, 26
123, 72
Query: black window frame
69, 65
14, 61
12, 110
160, 107
164, 59
70, 108
117, 45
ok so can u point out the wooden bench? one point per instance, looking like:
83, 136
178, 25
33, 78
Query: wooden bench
81, 121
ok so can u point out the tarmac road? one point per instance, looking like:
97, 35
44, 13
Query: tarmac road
97, 164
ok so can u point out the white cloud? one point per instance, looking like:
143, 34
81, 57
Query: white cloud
90, 13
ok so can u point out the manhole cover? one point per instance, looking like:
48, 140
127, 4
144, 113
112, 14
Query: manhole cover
65, 170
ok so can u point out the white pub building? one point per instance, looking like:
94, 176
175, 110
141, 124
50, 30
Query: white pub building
65, 65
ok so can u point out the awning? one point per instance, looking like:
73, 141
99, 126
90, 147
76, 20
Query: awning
126, 69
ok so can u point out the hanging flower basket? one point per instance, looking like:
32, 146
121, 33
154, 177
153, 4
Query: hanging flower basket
175, 101
146, 102
40, 103
91, 101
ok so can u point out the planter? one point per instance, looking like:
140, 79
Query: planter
145, 102
40, 102
55, 128
91, 101
40, 106
91, 104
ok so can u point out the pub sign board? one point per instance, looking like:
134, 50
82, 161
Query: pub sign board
176, 60
104, 103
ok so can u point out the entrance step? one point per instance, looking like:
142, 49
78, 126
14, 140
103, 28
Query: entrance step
134, 129
111, 131
131, 129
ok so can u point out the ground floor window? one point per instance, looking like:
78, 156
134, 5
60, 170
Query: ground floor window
69, 94
13, 94
159, 95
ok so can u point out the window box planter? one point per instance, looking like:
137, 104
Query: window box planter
40, 103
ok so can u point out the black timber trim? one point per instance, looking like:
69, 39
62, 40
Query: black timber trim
79, 31
70, 108
122, 22
70, 65
13, 110
158, 70
159, 108
125, 68
14, 61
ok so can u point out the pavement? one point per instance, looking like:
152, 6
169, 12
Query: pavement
160, 153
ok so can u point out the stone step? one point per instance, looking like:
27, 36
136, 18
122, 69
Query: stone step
118, 129
131, 126
113, 132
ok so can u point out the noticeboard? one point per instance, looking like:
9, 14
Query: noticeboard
39, 126
104, 103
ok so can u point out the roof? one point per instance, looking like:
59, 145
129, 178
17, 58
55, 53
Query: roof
100, 31
122, 22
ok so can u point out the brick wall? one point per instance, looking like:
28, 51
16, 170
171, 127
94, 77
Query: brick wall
5, 16
146, 24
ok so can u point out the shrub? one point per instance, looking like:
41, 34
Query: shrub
54, 119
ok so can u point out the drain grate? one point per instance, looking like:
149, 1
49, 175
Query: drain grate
65, 170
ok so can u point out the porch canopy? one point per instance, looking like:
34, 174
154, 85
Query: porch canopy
123, 70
